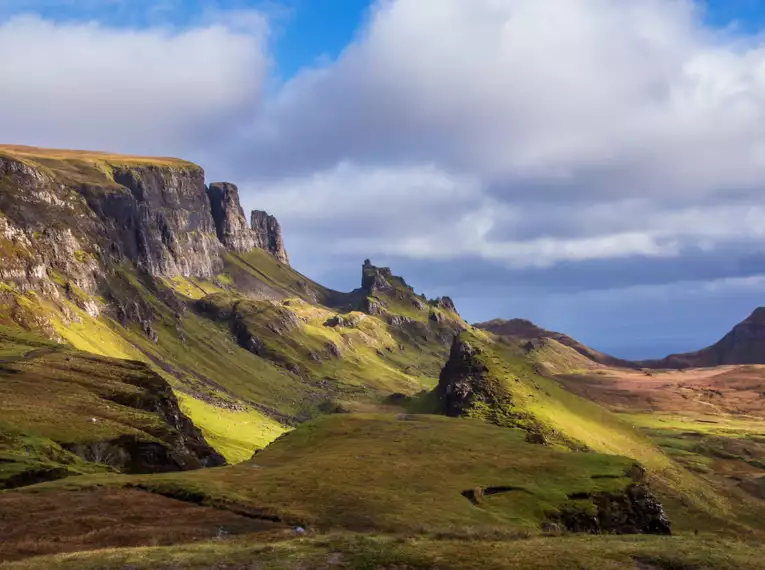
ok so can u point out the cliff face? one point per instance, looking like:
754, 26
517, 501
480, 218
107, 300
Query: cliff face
228, 215
78, 217
160, 218
268, 235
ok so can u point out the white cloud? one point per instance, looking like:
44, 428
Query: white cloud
155, 90
577, 130
630, 97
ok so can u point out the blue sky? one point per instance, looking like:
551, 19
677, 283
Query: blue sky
593, 165
304, 30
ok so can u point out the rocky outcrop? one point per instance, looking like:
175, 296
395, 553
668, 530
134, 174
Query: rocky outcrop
634, 511
180, 445
228, 215
464, 381
444, 303
268, 235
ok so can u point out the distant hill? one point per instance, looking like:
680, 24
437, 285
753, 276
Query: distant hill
524, 330
744, 344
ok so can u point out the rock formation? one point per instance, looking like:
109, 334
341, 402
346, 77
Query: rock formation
268, 235
159, 217
464, 381
228, 215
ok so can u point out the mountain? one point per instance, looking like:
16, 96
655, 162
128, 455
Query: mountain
136, 258
744, 344
167, 379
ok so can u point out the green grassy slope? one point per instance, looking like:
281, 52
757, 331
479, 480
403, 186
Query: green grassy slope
62, 412
320, 359
535, 402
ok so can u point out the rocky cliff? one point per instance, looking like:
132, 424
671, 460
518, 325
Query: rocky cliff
77, 215
268, 235
228, 215
159, 217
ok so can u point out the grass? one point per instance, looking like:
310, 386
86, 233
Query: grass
86, 166
392, 552
695, 501
15, 341
558, 358
54, 523
367, 472
234, 434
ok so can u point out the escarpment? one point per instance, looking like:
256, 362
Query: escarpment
79, 214
159, 218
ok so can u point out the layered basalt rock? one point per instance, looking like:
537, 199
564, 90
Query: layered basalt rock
160, 218
228, 215
268, 235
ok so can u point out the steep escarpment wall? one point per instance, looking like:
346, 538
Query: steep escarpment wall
159, 218
78, 217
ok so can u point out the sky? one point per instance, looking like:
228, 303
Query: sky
596, 166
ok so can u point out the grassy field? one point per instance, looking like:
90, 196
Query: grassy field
364, 552
400, 473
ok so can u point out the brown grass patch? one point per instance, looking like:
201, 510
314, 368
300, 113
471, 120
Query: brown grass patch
33, 524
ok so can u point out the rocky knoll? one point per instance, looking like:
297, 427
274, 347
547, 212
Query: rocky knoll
465, 381
268, 235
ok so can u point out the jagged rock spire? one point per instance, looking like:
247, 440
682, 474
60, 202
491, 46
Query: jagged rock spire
268, 235
230, 223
